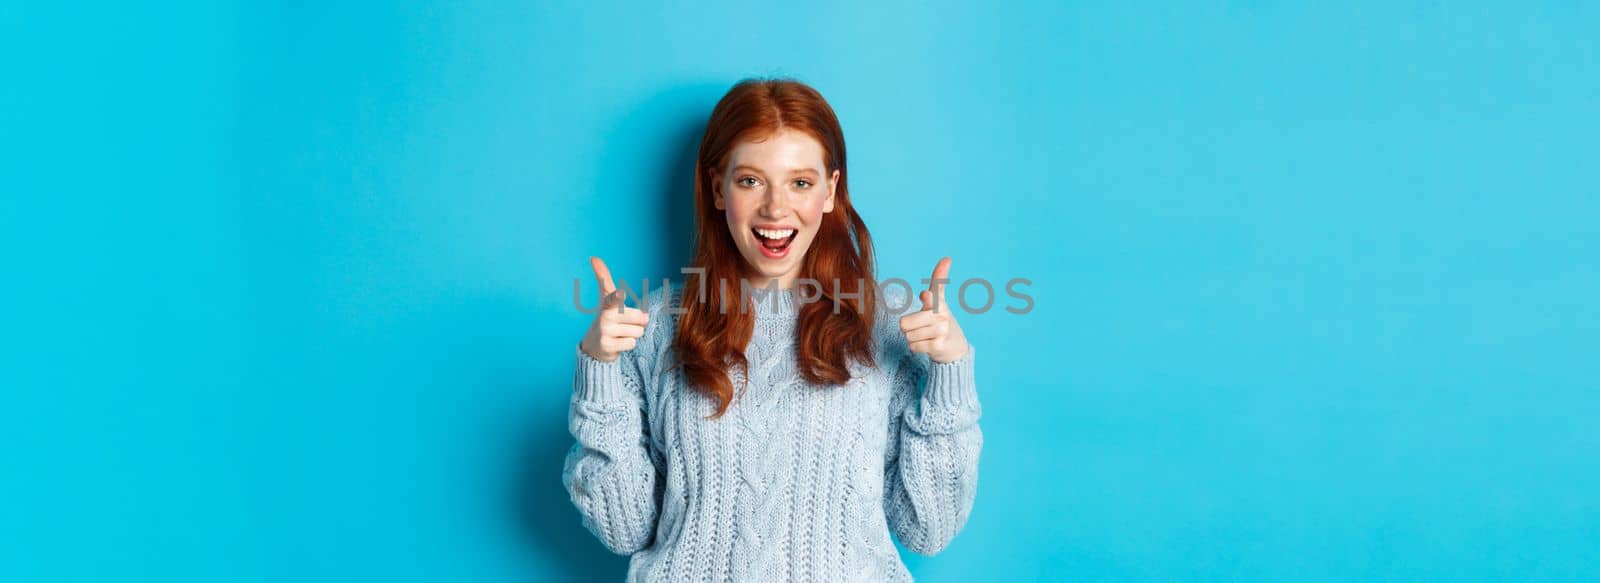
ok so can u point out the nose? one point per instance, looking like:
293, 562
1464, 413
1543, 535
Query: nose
774, 204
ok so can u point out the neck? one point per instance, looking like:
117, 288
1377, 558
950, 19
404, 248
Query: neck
786, 282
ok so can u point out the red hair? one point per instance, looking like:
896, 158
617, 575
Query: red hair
710, 340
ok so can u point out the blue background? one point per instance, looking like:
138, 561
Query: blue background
287, 287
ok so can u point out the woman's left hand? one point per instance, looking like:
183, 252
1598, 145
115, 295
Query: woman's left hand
933, 330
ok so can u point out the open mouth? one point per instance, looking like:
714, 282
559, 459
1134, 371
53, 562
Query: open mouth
775, 242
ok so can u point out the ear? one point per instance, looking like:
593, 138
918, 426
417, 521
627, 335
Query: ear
833, 186
716, 188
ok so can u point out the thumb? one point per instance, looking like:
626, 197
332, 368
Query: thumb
935, 291
602, 276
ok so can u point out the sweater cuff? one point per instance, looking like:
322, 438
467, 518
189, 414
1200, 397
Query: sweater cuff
952, 384
597, 380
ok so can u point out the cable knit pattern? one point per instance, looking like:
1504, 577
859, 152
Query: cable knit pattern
796, 482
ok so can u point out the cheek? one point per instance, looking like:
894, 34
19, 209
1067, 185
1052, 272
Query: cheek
811, 210
736, 211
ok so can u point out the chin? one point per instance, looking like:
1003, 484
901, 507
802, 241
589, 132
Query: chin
767, 266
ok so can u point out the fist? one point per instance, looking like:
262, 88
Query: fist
617, 328
933, 330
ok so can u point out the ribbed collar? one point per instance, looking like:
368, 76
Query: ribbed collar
780, 303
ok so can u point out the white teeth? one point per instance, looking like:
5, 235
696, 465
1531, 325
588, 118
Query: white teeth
771, 234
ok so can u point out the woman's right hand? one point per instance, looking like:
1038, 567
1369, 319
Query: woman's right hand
617, 327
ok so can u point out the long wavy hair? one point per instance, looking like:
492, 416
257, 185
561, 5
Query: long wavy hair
711, 340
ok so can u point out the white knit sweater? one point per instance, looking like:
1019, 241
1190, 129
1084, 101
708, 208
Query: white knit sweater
795, 482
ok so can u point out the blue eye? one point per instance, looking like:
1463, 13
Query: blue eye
803, 183
748, 181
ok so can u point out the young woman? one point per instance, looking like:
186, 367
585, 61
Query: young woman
785, 440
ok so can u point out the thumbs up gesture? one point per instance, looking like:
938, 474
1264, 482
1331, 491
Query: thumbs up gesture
617, 328
933, 330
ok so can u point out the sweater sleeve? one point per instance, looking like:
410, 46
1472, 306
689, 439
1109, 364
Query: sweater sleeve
612, 472
931, 465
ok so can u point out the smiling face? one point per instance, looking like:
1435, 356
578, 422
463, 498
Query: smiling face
774, 193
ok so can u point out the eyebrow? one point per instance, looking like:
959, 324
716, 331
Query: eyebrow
759, 171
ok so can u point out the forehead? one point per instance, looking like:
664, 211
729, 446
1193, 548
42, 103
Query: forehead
783, 150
